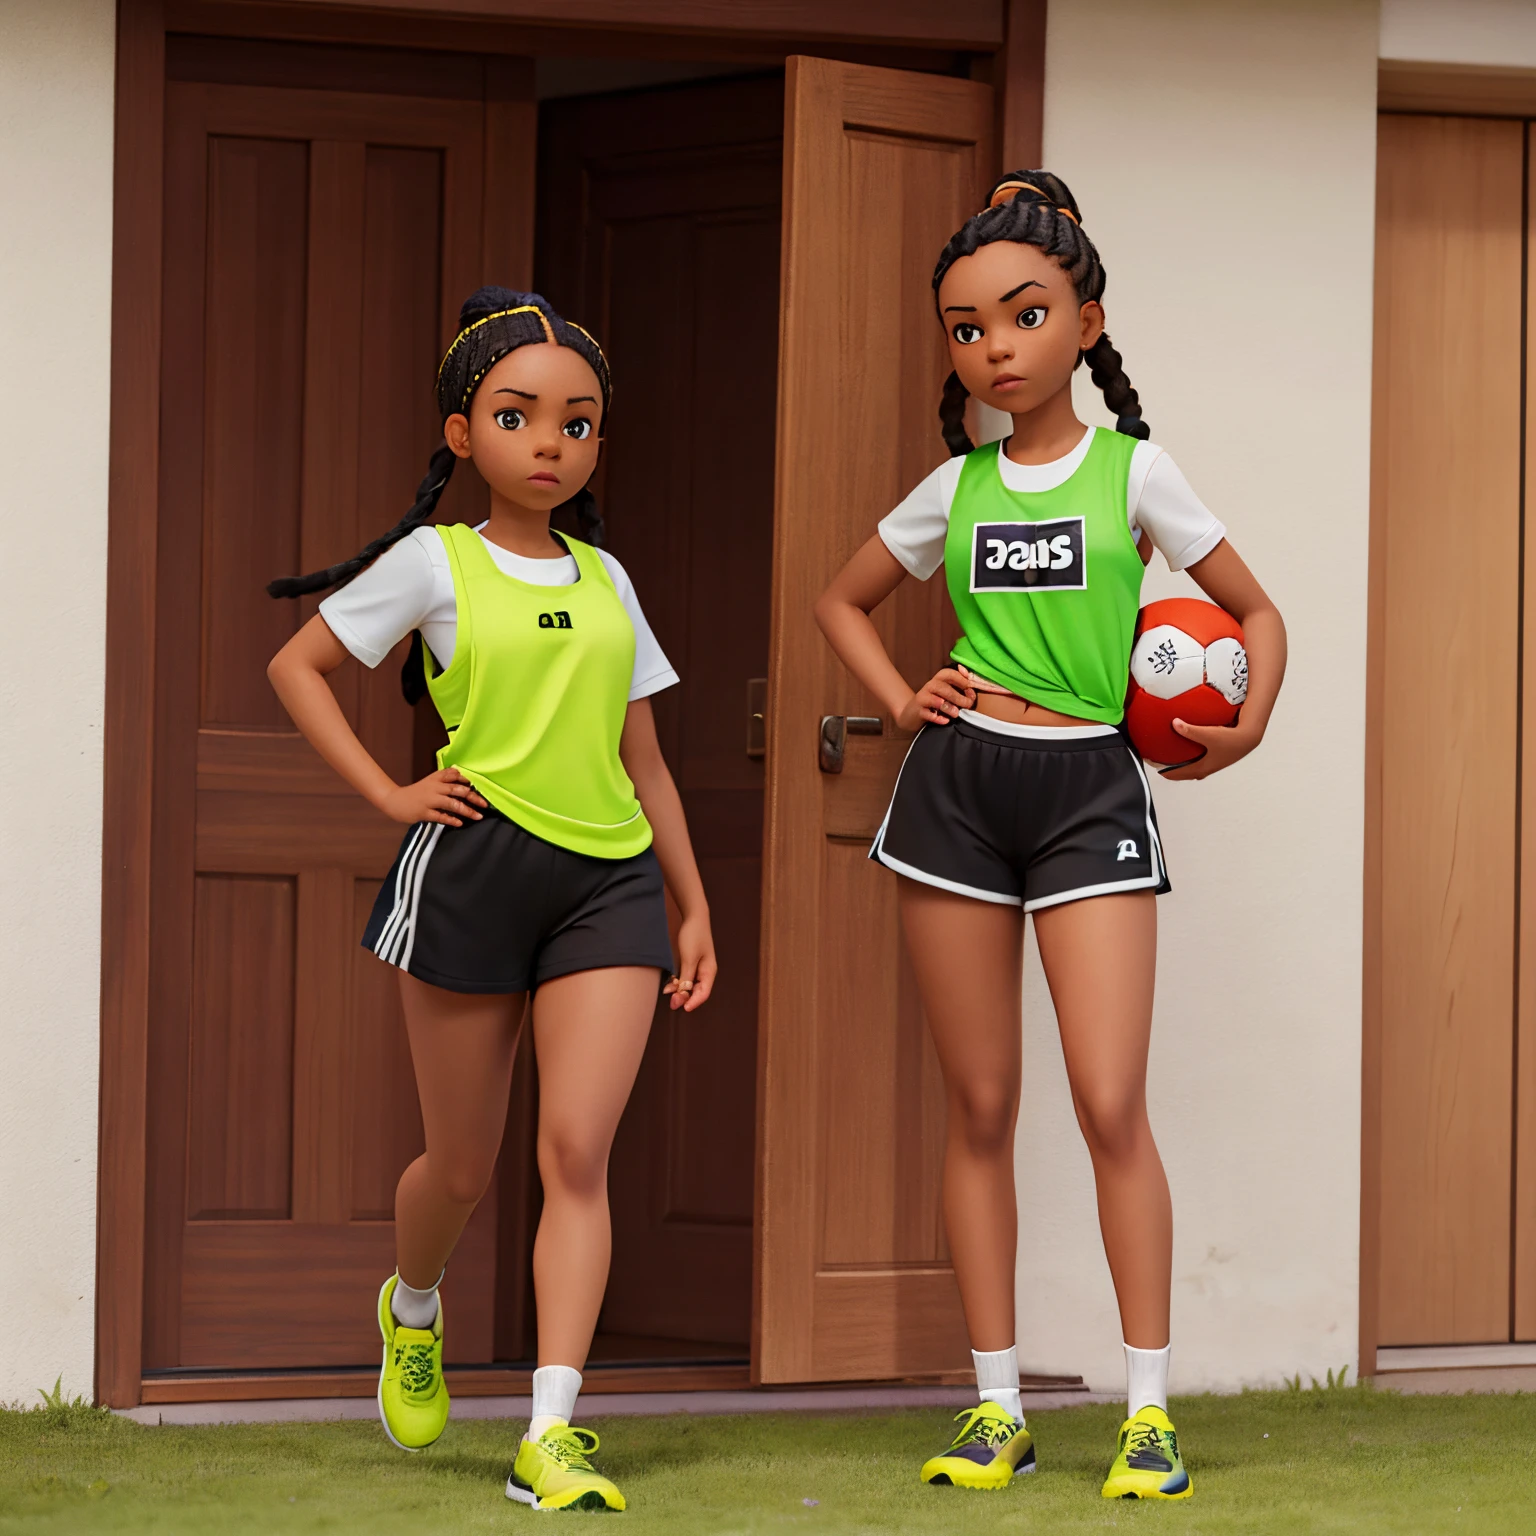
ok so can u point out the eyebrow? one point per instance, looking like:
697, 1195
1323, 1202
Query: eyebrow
576, 399
1014, 292
965, 309
522, 394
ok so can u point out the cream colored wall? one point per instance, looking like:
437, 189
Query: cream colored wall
1224, 158
56, 83
1496, 33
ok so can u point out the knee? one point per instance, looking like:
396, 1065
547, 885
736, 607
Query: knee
465, 1179
1113, 1122
984, 1115
573, 1165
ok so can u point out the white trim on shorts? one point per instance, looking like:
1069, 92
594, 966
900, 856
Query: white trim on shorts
397, 938
1036, 732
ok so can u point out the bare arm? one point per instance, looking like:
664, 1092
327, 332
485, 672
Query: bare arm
843, 612
640, 752
1224, 578
298, 675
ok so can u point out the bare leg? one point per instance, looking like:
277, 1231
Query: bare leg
462, 1045
1100, 959
968, 956
589, 1033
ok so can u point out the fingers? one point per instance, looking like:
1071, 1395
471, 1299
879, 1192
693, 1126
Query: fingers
457, 784
703, 985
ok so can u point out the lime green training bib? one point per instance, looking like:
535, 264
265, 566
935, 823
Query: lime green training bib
535, 696
1047, 584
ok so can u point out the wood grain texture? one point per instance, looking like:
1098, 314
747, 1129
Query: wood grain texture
1447, 475
478, 1381
1523, 1279
1018, 76
956, 24
1404, 85
660, 227
316, 245
880, 169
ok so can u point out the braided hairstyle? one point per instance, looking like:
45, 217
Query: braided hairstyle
492, 322
1036, 208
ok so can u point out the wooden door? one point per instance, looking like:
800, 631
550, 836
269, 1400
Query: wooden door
659, 227
317, 245
854, 1278
1446, 492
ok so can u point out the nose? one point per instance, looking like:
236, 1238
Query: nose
999, 347
547, 447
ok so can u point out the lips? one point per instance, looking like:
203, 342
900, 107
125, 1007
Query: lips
543, 479
1006, 381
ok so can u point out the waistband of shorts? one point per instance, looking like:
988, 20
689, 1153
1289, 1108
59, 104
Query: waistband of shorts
1068, 738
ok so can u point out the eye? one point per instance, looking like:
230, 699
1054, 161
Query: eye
965, 333
580, 429
1031, 319
510, 420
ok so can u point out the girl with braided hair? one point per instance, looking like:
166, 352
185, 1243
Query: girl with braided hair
537, 853
1020, 792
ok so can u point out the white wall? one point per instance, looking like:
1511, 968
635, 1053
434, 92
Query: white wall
56, 69
1224, 159
1497, 33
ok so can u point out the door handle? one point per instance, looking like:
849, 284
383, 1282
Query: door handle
835, 730
757, 717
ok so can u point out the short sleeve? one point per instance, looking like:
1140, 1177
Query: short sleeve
384, 603
653, 671
1182, 528
915, 531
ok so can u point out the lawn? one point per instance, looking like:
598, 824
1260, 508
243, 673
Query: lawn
1340, 1460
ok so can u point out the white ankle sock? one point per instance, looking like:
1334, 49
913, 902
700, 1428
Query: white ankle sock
1146, 1379
412, 1308
554, 1398
997, 1378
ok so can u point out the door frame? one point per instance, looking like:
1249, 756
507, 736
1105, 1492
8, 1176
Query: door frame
1434, 90
1005, 44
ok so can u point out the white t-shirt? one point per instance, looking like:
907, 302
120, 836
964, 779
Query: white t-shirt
410, 586
1158, 503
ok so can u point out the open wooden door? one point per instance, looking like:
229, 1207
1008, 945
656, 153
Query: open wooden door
853, 1273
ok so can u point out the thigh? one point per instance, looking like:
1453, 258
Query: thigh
462, 1046
1100, 960
967, 956
589, 1034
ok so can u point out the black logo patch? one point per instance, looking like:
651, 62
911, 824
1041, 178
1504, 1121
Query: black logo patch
1029, 557
559, 619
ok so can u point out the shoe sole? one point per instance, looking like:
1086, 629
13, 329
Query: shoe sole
943, 1480
589, 1503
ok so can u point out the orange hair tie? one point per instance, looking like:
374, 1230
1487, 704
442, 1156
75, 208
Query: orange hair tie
1011, 189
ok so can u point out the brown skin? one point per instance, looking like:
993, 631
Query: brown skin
532, 431
1015, 329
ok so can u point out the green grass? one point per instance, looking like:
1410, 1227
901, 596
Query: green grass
1340, 1460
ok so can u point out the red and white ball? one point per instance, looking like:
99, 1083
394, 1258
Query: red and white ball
1187, 663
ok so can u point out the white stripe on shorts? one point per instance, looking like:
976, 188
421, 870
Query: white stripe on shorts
404, 962
402, 891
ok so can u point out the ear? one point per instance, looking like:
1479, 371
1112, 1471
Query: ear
456, 434
1090, 319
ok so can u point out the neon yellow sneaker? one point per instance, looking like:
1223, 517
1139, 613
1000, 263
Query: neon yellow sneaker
554, 1473
990, 1448
1148, 1464
413, 1397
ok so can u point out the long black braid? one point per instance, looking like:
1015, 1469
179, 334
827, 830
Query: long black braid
1036, 208
492, 322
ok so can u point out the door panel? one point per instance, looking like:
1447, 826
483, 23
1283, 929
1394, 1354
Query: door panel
1446, 467
660, 221
1525, 1052
854, 1278
317, 246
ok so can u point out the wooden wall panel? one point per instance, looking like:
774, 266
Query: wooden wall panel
240, 1119
1523, 1306
1447, 471
386, 1116
253, 391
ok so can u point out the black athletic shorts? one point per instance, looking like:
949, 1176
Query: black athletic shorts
1028, 816
489, 907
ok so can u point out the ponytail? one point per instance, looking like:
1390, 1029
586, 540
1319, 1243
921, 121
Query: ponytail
428, 494
1106, 371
